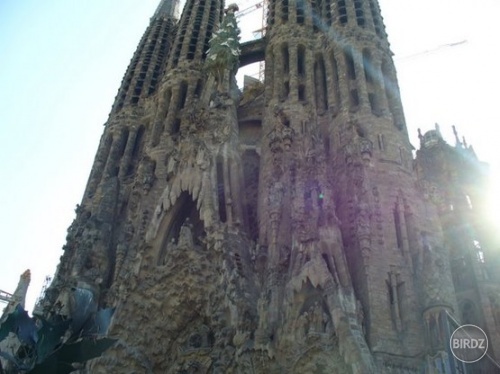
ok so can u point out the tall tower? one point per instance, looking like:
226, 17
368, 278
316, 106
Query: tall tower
284, 228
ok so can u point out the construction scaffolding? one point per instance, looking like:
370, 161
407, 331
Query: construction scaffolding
251, 14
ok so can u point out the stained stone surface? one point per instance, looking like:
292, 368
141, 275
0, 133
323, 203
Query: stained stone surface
283, 229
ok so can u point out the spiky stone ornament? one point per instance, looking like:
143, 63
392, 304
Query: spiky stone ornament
224, 52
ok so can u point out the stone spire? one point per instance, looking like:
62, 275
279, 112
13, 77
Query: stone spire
22, 287
167, 8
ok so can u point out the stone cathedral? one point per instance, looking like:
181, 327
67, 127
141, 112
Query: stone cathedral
285, 227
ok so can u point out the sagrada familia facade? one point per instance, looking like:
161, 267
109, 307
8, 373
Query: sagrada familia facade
286, 227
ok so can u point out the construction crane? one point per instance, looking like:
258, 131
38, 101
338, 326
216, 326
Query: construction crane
6, 297
250, 9
432, 50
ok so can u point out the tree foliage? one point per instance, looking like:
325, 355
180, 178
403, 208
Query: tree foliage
54, 345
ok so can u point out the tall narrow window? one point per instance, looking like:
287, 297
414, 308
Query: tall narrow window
321, 93
300, 12
376, 19
271, 12
342, 12
122, 144
136, 150
284, 10
396, 290
335, 81
182, 33
328, 12
349, 60
210, 26
286, 60
158, 127
199, 88
251, 162
182, 95
360, 16
368, 66
301, 69
397, 225
302, 92
286, 89
195, 33
391, 94
220, 189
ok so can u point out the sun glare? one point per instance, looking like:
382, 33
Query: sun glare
494, 199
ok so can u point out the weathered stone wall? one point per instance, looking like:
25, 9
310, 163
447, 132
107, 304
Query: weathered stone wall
285, 229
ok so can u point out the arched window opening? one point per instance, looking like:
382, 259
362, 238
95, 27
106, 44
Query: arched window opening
271, 13
284, 10
300, 12
376, 19
328, 14
210, 27
342, 12
183, 213
182, 33
360, 15
196, 30
316, 13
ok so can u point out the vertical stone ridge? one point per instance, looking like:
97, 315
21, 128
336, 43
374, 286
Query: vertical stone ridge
168, 8
283, 229
148, 64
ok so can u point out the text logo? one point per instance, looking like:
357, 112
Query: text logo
468, 343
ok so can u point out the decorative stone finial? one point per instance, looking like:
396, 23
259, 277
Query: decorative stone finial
455, 132
231, 8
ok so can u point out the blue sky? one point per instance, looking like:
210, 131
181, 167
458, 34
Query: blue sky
61, 63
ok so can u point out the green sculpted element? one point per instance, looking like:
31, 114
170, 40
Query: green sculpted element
224, 52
